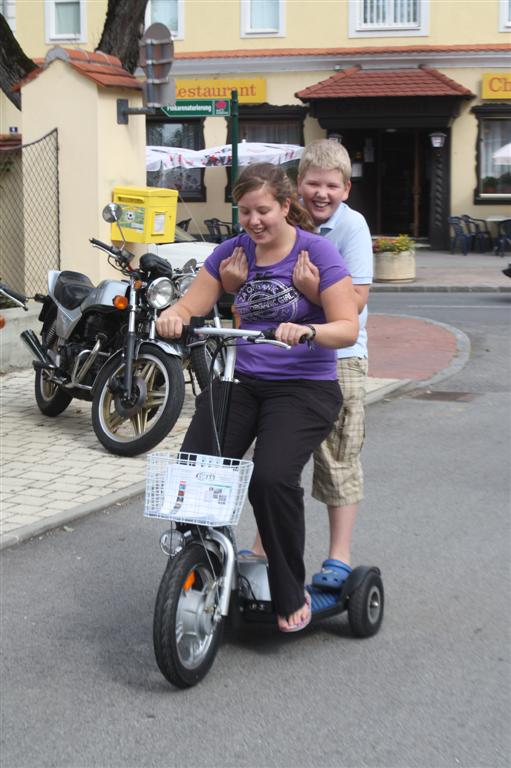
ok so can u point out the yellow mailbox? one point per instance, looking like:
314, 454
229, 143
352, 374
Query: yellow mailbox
149, 214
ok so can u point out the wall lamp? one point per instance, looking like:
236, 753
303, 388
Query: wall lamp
437, 139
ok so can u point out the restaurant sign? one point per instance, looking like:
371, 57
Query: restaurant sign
198, 108
496, 85
251, 90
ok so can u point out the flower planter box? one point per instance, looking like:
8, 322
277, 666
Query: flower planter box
394, 267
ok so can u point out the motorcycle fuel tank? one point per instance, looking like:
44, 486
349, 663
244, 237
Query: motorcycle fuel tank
103, 295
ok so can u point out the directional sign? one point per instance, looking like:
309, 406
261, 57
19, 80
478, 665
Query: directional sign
199, 108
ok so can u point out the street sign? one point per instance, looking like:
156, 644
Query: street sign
198, 108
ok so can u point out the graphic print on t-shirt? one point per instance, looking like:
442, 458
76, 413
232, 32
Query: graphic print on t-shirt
267, 299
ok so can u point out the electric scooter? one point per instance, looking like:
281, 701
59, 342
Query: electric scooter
206, 580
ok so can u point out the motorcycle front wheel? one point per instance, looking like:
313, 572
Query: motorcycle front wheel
158, 391
186, 635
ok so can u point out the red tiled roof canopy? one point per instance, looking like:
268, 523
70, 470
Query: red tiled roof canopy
359, 83
240, 53
103, 69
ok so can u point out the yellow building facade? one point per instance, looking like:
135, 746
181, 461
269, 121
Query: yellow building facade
382, 74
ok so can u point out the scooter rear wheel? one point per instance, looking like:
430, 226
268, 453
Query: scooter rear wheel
185, 634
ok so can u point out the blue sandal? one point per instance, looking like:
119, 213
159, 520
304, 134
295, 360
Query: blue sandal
247, 554
332, 575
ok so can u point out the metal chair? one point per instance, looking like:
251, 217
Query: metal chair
184, 224
503, 239
480, 235
218, 230
460, 235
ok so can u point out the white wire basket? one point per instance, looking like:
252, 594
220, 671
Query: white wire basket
196, 488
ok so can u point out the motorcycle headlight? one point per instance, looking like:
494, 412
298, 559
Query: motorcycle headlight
184, 283
160, 293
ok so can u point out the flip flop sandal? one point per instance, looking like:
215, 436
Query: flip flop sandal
332, 575
305, 622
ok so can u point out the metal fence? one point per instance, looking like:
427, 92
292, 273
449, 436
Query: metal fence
29, 214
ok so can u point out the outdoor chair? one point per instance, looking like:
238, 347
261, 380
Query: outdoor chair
459, 235
218, 230
503, 240
480, 235
184, 224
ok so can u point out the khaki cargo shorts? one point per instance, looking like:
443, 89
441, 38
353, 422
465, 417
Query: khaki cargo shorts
338, 479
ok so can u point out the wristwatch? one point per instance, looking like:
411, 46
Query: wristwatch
310, 340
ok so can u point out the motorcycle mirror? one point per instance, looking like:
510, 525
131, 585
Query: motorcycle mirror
190, 265
112, 213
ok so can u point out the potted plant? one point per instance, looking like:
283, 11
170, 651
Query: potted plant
505, 183
394, 259
489, 184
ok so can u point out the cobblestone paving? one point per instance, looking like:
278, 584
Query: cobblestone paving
55, 464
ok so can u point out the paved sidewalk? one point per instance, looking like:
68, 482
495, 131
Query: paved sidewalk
443, 271
55, 470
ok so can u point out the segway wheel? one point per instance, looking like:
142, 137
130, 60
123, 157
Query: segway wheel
365, 608
185, 633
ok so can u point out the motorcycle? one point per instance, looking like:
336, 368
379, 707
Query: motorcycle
99, 343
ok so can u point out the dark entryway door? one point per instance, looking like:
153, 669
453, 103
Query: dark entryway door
391, 183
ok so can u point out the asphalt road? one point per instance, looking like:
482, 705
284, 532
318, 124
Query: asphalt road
80, 687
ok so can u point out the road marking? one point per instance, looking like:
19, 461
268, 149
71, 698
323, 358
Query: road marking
456, 306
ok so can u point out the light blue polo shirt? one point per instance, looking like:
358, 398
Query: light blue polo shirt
349, 232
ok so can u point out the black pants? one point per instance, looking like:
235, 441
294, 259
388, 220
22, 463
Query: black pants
288, 419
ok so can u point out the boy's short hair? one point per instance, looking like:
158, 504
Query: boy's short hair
327, 154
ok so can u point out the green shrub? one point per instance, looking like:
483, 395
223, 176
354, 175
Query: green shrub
393, 244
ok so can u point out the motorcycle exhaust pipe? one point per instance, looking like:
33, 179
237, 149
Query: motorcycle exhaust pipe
35, 347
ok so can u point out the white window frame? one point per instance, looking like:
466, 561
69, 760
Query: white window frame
356, 27
49, 16
505, 16
177, 34
8, 9
247, 31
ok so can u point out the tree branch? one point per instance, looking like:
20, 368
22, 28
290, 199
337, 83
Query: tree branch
124, 26
14, 63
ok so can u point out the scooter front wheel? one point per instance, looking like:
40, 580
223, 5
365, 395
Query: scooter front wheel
186, 632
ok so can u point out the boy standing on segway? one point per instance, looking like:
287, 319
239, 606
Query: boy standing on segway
324, 183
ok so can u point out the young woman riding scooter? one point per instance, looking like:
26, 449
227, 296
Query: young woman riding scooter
287, 400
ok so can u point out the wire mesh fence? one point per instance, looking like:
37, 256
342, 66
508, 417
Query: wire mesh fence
29, 214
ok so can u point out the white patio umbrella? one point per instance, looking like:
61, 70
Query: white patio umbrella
158, 158
163, 158
503, 155
251, 152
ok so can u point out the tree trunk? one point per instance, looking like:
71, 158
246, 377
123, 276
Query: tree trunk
124, 26
14, 64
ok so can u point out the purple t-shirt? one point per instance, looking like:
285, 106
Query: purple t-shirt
269, 298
